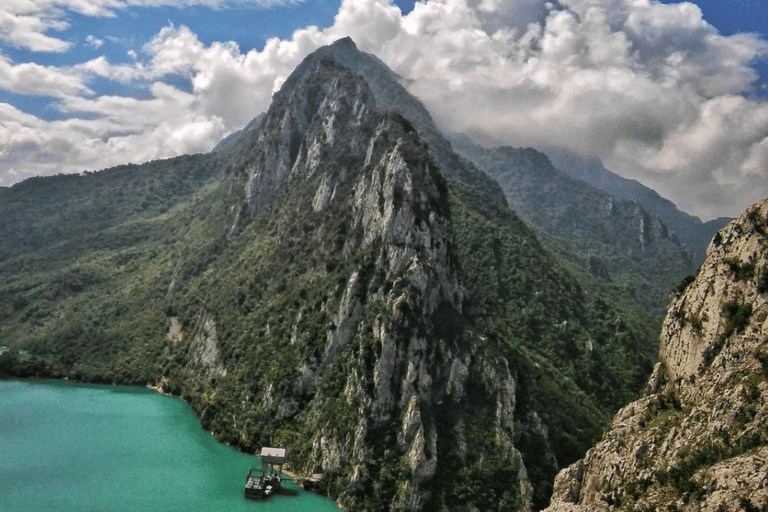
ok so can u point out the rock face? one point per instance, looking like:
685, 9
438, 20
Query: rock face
698, 439
382, 397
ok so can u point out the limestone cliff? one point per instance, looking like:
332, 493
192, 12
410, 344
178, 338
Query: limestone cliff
383, 378
697, 440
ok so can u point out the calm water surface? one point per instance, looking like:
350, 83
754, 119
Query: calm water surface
74, 447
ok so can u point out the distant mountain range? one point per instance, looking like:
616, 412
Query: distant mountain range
690, 230
613, 239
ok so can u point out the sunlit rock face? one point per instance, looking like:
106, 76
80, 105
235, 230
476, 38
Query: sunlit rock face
697, 440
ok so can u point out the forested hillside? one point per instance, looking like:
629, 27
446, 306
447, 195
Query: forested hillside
334, 279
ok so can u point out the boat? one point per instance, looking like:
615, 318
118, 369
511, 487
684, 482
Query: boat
267, 480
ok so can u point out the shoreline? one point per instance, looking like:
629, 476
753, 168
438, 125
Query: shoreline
299, 479
158, 389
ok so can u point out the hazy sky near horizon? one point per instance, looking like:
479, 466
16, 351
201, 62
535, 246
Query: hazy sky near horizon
672, 94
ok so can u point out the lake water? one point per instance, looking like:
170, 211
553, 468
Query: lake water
75, 447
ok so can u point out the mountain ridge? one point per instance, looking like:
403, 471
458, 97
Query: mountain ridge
694, 233
608, 237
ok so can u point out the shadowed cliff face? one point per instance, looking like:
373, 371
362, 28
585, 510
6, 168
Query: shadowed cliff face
698, 439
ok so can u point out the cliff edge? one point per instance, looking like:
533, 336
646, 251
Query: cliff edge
698, 439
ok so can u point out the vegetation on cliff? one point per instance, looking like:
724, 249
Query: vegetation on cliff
697, 440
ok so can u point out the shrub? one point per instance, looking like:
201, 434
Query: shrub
742, 271
683, 284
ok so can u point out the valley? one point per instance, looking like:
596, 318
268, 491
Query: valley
427, 324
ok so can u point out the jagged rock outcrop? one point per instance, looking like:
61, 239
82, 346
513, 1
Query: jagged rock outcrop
378, 394
206, 358
698, 439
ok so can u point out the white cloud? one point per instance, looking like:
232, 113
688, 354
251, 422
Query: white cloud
725, 149
31, 78
624, 79
134, 131
30, 30
28, 23
94, 42
651, 88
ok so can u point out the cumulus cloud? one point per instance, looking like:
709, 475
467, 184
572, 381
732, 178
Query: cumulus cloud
133, 131
29, 23
29, 29
651, 88
31, 78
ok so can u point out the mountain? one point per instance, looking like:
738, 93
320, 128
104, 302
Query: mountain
697, 440
690, 230
333, 279
390, 95
597, 233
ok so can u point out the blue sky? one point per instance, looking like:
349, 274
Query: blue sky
673, 94
115, 36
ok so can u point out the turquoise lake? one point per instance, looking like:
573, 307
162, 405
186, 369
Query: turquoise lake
76, 447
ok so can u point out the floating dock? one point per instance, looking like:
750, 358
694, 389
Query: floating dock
267, 480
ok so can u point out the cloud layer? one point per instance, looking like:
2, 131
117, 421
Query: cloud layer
652, 89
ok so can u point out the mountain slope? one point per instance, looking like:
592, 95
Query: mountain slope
694, 233
609, 238
697, 440
341, 287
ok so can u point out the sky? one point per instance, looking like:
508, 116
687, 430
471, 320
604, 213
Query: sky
672, 94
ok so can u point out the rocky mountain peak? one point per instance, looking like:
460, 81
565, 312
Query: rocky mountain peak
373, 204
323, 106
389, 96
385, 83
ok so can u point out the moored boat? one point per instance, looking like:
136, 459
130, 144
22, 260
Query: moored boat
266, 480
